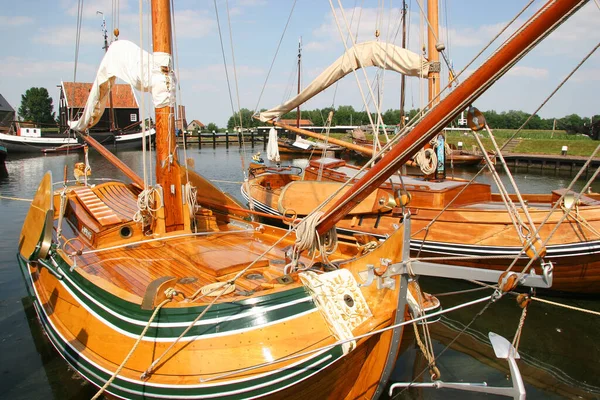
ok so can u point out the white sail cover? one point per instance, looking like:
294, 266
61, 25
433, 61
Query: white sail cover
122, 60
368, 54
272, 146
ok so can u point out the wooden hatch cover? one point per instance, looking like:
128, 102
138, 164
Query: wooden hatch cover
37, 227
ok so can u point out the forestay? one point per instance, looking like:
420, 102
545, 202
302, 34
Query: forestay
368, 54
122, 60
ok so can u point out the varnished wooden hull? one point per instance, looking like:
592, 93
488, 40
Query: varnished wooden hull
266, 339
466, 234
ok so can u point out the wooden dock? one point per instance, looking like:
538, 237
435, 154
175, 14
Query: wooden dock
531, 162
215, 139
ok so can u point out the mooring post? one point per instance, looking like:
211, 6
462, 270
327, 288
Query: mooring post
264, 139
252, 138
214, 140
226, 139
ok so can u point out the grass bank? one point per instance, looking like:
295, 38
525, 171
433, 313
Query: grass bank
530, 141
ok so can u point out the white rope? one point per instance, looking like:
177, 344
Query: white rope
373, 127
566, 306
513, 183
135, 346
354, 338
179, 96
191, 199
142, 108
504, 195
145, 202
427, 160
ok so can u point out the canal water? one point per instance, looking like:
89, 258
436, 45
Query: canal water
559, 348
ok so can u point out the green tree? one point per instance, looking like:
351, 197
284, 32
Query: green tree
212, 127
36, 106
247, 120
391, 117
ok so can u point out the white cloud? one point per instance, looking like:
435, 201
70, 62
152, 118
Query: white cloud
65, 36
12, 21
194, 24
251, 3
17, 67
586, 75
529, 72
91, 7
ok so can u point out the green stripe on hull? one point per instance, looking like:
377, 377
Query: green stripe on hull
116, 311
254, 387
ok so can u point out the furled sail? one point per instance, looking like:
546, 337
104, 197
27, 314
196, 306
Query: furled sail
368, 54
122, 60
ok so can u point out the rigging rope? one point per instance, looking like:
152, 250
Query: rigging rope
565, 306
375, 129
135, 346
274, 57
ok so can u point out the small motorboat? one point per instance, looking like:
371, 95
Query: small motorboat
63, 148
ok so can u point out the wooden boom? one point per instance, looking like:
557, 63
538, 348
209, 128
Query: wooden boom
351, 146
550, 16
135, 178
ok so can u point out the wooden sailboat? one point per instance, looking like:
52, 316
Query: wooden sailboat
473, 230
188, 299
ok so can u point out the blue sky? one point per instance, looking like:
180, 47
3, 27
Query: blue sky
39, 50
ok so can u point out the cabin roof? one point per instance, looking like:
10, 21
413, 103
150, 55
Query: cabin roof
4, 106
195, 121
77, 94
303, 122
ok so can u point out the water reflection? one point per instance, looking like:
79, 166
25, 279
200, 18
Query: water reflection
559, 347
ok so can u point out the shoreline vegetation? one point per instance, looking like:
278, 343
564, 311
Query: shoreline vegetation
528, 141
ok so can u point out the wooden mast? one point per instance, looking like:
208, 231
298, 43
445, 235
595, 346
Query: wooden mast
550, 16
434, 46
432, 53
167, 168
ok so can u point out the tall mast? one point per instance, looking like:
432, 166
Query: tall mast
434, 46
111, 116
402, 77
167, 168
432, 53
550, 16
299, 65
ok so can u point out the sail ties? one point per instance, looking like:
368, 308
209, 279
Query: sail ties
124, 60
367, 54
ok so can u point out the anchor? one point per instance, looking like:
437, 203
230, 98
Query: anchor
503, 349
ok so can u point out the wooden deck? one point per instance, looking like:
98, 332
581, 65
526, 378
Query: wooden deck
194, 261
